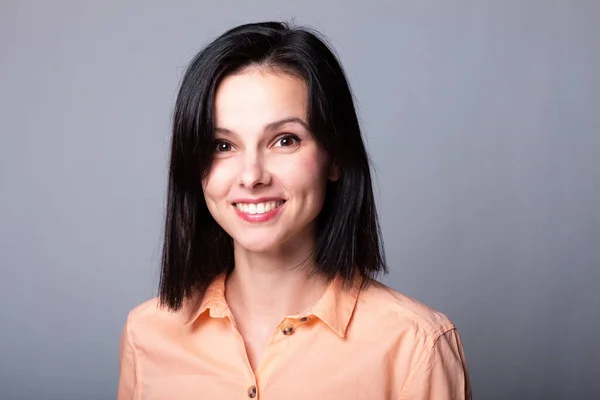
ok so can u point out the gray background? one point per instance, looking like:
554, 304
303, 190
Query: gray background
482, 118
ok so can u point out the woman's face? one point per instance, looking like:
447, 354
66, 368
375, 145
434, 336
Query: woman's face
267, 182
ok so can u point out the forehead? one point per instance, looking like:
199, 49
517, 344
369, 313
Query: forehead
256, 97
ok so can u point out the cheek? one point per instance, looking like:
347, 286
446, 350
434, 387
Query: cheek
216, 183
307, 173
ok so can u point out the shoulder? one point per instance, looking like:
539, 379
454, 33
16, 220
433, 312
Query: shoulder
380, 305
421, 343
150, 313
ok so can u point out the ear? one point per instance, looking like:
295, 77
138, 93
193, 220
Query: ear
334, 171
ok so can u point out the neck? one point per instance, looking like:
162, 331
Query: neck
271, 286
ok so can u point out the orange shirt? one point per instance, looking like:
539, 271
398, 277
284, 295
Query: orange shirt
370, 344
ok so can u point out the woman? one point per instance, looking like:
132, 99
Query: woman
272, 244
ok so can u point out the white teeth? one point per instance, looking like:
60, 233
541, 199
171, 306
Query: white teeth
259, 208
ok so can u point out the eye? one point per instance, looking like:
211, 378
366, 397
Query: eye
287, 141
222, 147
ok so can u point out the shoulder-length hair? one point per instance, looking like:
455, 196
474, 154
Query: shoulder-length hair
196, 249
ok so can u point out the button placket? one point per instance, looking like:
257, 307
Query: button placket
289, 326
287, 330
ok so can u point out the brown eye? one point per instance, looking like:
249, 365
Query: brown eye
222, 147
288, 140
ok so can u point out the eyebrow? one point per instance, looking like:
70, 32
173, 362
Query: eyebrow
273, 125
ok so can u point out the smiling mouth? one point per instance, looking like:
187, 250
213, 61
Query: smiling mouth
258, 208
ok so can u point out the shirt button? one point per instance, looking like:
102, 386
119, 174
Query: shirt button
252, 391
288, 330
304, 319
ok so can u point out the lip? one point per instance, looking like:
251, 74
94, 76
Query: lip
257, 200
258, 218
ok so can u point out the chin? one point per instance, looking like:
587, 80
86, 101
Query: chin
256, 245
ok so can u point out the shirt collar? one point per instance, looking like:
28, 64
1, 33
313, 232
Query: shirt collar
335, 308
213, 300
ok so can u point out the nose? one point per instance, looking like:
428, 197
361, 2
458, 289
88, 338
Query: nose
253, 173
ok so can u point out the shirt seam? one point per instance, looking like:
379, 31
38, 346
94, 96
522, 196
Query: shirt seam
430, 327
136, 361
426, 355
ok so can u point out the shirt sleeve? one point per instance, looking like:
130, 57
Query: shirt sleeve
441, 374
128, 382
